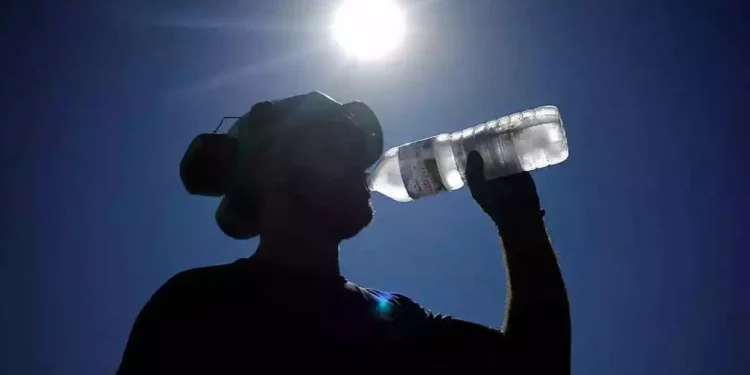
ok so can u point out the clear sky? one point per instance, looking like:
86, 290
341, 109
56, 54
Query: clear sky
99, 100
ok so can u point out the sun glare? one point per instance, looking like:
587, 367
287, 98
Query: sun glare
368, 29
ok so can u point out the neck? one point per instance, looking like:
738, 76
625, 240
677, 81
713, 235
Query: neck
301, 247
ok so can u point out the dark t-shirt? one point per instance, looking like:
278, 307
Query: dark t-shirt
253, 318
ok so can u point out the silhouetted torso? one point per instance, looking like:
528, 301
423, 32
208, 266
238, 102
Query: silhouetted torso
249, 318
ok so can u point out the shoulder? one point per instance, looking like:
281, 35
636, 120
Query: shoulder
202, 277
185, 298
193, 286
173, 318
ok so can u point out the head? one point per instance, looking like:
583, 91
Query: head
315, 174
303, 164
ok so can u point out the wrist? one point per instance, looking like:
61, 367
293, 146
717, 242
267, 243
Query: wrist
520, 222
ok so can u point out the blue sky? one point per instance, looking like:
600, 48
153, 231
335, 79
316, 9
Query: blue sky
100, 99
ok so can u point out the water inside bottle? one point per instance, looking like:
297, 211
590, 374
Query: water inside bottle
520, 142
523, 141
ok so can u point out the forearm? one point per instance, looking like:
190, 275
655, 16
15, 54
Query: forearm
537, 321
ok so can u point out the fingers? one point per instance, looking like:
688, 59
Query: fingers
474, 169
478, 185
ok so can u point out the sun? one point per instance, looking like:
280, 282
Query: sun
369, 29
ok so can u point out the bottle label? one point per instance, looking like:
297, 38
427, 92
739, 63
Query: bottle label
419, 169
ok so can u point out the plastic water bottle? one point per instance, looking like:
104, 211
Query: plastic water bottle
523, 141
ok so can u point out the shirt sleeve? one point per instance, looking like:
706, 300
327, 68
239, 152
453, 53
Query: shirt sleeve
451, 339
158, 342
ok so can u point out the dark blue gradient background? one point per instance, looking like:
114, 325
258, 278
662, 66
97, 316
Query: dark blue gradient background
99, 100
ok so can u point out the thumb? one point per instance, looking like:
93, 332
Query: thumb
475, 170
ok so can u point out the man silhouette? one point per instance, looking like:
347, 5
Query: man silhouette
287, 309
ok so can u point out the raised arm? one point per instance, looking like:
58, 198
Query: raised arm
537, 321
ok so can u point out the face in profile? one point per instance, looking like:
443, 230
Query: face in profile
327, 174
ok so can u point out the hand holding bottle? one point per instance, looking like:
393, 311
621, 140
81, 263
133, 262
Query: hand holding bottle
507, 200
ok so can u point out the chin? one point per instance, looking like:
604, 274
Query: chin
349, 221
344, 212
